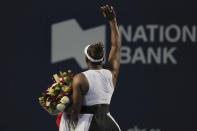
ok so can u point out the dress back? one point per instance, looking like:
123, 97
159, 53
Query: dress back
101, 87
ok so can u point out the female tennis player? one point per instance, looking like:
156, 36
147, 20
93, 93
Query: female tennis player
93, 89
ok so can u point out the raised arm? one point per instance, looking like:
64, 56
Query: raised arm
114, 55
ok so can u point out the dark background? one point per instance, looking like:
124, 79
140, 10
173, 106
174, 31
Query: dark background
147, 96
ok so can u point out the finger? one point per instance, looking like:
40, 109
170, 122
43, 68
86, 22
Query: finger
107, 7
106, 11
103, 11
112, 10
109, 11
102, 8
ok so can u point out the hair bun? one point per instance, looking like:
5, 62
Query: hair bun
96, 50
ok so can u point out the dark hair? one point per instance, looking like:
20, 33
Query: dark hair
96, 51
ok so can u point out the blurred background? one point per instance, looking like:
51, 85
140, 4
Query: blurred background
156, 89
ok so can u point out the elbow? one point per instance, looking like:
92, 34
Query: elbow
118, 44
118, 41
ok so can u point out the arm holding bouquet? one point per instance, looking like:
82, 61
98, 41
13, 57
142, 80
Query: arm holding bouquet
80, 87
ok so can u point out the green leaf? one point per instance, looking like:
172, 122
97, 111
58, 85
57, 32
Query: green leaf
69, 71
56, 92
61, 74
43, 94
41, 98
67, 79
60, 84
57, 88
64, 74
50, 110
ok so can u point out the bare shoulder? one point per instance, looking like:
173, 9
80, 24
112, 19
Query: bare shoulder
80, 78
82, 82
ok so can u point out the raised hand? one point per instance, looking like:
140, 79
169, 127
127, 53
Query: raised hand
108, 12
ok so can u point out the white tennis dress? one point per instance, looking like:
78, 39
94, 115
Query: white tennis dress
100, 92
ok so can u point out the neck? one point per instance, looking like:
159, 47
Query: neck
95, 67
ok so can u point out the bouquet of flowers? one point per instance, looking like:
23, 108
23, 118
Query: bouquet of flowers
58, 96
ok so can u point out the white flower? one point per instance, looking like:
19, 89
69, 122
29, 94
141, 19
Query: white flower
48, 103
60, 107
65, 100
